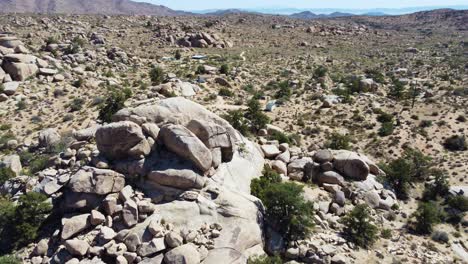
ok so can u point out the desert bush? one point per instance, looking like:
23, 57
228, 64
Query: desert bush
458, 202
359, 227
5, 175
386, 233
237, 120
157, 75
113, 103
177, 55
397, 90
385, 117
19, 224
338, 141
439, 187
264, 260
77, 104
224, 69
427, 215
386, 129
287, 212
9, 259
258, 186
399, 176
456, 143
254, 113
320, 71
225, 92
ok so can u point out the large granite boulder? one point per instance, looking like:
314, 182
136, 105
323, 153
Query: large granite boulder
122, 140
184, 143
351, 165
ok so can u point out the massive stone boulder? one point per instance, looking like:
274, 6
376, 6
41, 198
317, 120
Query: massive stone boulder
351, 164
20, 66
183, 142
96, 181
122, 140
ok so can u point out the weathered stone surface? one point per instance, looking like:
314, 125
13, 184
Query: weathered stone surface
296, 168
184, 143
351, 165
75, 224
213, 136
130, 213
122, 140
12, 162
330, 177
96, 181
323, 155
49, 137
181, 179
10, 88
173, 239
76, 247
150, 248
186, 254
270, 151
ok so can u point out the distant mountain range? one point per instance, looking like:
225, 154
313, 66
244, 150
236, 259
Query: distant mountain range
108, 7
128, 7
329, 12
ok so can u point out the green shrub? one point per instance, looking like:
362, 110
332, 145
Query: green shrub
458, 202
427, 215
338, 141
265, 260
397, 90
320, 71
284, 91
237, 120
287, 212
386, 233
456, 143
113, 103
8, 259
258, 186
157, 75
386, 129
224, 69
5, 175
177, 55
19, 224
359, 228
225, 92
254, 113
385, 117
399, 175
281, 137
439, 187
77, 104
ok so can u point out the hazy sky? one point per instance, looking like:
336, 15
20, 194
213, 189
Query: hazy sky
354, 4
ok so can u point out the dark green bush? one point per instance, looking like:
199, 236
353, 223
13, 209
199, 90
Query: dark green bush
385, 117
19, 224
237, 120
113, 103
265, 260
5, 175
426, 216
399, 174
225, 92
254, 113
287, 212
224, 69
386, 129
456, 143
258, 186
458, 202
8, 259
338, 141
177, 55
157, 75
320, 71
359, 228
